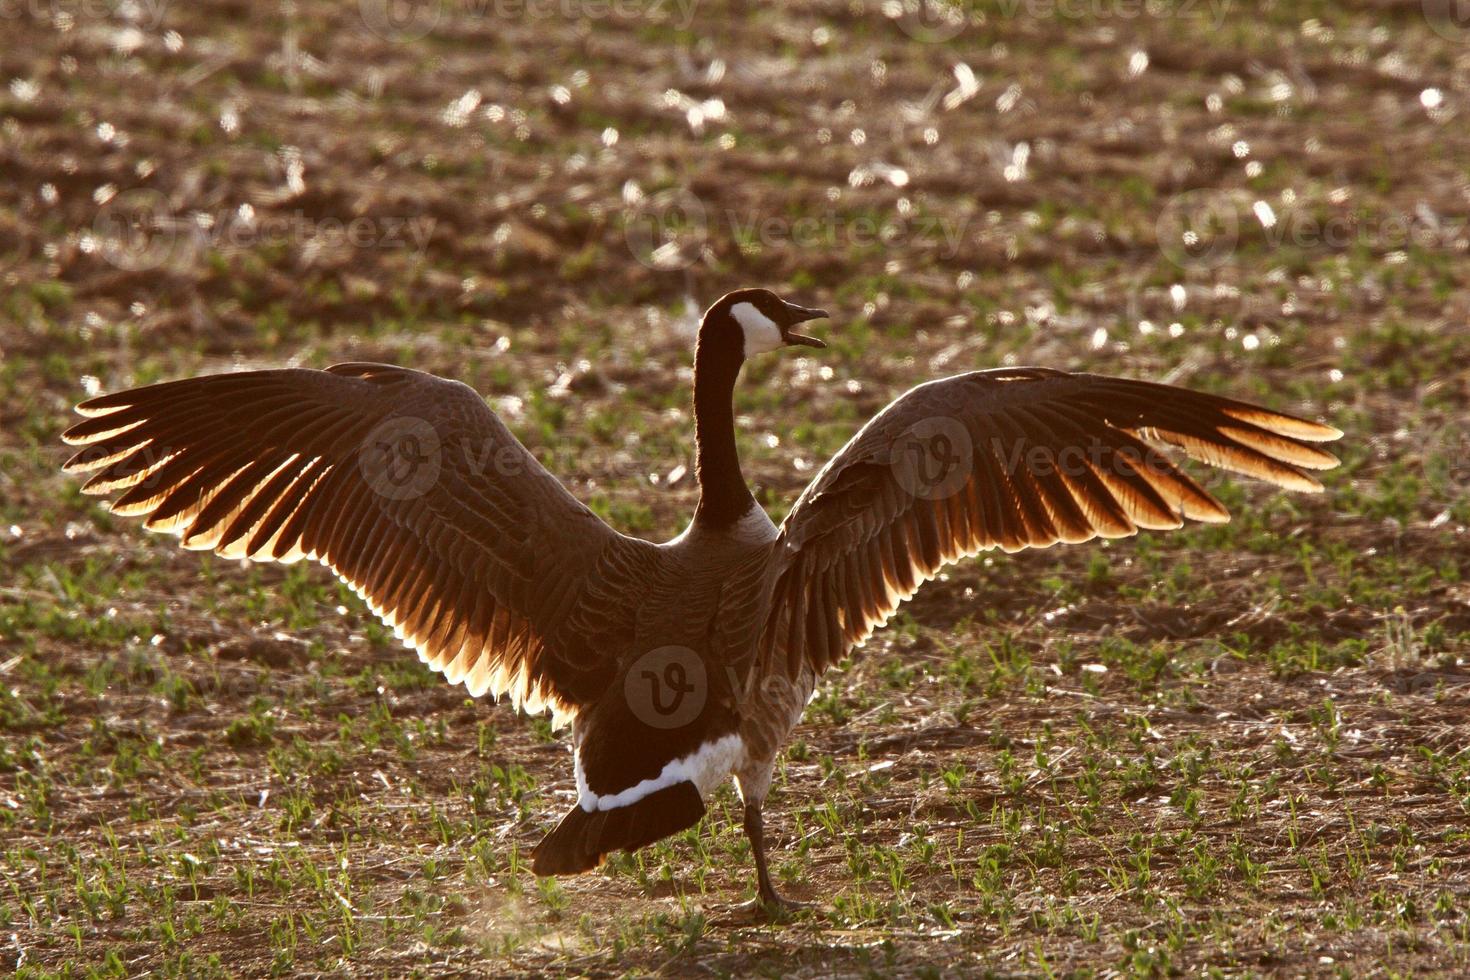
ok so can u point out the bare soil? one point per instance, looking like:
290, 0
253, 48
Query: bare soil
1234, 750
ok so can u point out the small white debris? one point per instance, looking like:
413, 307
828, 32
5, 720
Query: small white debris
1016, 169
967, 87
295, 170
457, 114
24, 89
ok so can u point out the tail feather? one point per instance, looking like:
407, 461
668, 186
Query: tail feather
582, 838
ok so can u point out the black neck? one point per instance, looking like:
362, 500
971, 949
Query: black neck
723, 496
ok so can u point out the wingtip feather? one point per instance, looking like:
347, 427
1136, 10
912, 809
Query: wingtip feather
1283, 424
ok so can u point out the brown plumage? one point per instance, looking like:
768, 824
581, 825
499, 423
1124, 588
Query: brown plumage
682, 662
404, 484
1051, 457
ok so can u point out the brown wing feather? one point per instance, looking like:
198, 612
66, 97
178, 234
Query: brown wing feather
1050, 457
481, 566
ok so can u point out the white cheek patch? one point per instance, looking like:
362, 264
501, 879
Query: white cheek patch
706, 768
761, 332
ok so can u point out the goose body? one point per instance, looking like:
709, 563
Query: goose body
677, 664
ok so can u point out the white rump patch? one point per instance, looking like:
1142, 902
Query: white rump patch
705, 767
761, 332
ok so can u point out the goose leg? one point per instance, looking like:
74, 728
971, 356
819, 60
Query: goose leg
755, 830
768, 901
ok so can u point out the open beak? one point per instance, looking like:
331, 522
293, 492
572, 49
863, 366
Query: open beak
801, 314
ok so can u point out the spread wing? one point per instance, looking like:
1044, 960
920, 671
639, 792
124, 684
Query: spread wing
404, 484
1010, 458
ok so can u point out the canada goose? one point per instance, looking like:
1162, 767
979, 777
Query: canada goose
681, 663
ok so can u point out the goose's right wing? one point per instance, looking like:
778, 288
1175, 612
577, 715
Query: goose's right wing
404, 484
1011, 458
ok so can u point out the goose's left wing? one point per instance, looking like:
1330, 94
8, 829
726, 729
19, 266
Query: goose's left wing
1011, 458
409, 488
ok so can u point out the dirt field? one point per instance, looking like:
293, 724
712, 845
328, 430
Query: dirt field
1236, 749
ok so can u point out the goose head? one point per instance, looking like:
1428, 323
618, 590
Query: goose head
753, 321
